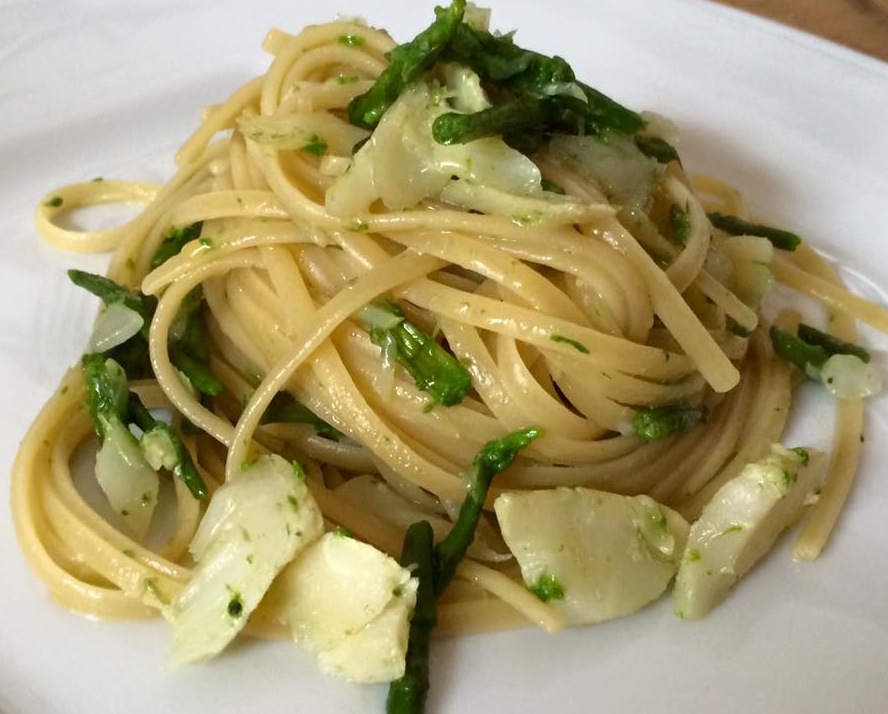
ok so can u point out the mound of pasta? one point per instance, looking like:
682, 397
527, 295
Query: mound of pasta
430, 337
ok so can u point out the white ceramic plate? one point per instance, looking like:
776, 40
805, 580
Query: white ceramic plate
94, 88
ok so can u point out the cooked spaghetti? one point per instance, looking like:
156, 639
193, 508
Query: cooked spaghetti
580, 280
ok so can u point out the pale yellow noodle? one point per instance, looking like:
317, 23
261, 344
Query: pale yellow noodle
572, 328
848, 436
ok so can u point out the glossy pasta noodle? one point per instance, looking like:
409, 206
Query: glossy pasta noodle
573, 320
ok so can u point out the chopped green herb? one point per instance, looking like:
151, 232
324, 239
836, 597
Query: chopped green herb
154, 591
788, 478
357, 225
235, 606
693, 555
680, 222
315, 146
173, 241
54, 202
656, 520
316, 149
548, 587
665, 421
342, 532
578, 346
804, 456
298, 470
527, 219
351, 40
347, 79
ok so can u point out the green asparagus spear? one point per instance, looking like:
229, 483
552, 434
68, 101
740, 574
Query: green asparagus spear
605, 114
284, 409
198, 374
110, 400
784, 240
435, 567
110, 293
107, 392
534, 95
496, 456
169, 447
189, 342
657, 148
811, 348
832, 345
507, 68
407, 63
498, 59
434, 369
188, 329
407, 694
514, 116
796, 350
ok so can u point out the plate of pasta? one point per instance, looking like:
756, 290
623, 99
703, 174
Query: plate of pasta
362, 357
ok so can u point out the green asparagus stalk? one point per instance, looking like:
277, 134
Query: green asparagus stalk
733, 225
832, 345
284, 409
495, 457
656, 148
407, 694
407, 63
436, 566
795, 350
175, 456
433, 368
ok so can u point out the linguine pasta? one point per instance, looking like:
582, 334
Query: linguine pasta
572, 316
